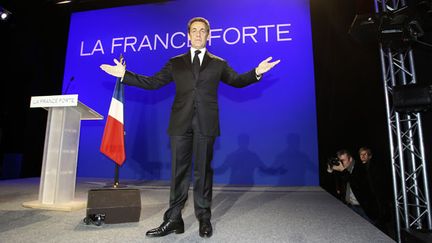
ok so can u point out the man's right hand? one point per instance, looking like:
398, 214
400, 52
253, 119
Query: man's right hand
117, 70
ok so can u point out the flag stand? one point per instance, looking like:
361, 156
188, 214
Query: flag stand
116, 183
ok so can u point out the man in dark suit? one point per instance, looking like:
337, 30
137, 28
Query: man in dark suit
194, 121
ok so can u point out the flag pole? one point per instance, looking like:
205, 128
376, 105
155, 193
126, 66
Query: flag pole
117, 167
116, 176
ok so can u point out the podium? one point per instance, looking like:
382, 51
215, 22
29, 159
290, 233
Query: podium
58, 177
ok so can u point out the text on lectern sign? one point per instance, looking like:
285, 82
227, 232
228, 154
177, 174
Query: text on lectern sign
54, 101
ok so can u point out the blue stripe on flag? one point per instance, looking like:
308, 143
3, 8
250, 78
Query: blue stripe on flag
119, 91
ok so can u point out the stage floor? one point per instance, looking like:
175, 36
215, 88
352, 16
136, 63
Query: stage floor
240, 214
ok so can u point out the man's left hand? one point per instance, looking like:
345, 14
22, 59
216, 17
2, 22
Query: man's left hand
265, 66
340, 167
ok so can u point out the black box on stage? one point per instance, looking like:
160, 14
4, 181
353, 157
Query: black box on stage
113, 206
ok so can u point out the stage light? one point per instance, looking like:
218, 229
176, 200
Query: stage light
412, 98
394, 29
400, 28
64, 2
4, 14
364, 28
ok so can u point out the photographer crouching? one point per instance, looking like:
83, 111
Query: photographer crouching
352, 185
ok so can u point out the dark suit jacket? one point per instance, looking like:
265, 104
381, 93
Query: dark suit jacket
194, 95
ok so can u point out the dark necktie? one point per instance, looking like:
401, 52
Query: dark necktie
196, 63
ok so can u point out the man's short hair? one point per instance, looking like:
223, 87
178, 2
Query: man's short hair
342, 152
368, 150
199, 19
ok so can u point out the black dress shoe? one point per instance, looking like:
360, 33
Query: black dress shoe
205, 228
166, 228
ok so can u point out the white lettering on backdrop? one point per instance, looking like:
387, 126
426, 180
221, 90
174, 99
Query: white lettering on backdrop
228, 36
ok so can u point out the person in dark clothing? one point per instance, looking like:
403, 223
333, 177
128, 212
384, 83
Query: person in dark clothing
354, 186
377, 179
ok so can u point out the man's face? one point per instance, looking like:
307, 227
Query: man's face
346, 159
198, 35
365, 156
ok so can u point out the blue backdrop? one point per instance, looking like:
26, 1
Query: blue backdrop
268, 130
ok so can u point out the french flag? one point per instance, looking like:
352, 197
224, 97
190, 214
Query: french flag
113, 144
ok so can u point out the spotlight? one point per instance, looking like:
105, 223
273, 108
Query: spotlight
395, 29
398, 29
4, 14
63, 2
364, 28
412, 98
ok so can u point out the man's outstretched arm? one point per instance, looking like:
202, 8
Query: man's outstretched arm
230, 77
160, 79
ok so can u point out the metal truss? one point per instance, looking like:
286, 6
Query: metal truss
410, 180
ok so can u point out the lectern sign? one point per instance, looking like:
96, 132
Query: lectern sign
54, 101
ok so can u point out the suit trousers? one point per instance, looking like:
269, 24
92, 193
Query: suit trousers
199, 148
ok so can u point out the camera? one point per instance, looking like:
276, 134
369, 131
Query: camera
333, 161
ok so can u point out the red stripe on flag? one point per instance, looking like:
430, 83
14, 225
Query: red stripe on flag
113, 141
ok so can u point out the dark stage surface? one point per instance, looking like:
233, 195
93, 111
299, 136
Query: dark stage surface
240, 214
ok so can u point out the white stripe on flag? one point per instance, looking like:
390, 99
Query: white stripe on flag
116, 110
